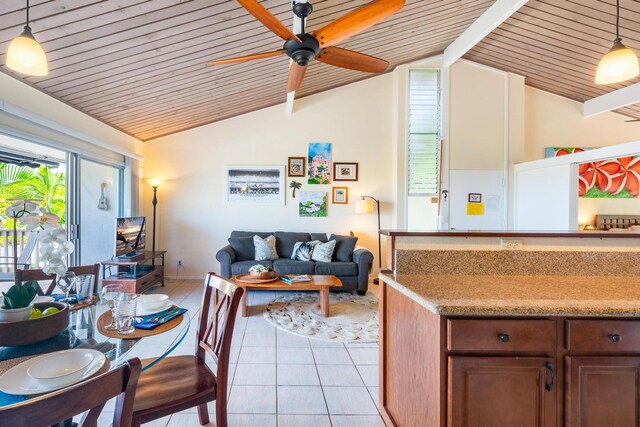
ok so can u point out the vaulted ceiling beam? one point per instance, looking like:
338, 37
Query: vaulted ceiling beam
499, 12
612, 100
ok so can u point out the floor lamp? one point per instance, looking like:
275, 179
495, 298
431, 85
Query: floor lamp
365, 205
155, 184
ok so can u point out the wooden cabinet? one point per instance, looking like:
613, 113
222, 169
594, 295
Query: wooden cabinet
135, 274
602, 391
501, 335
441, 371
501, 392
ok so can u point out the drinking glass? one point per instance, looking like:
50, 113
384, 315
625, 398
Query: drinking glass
110, 293
65, 283
84, 287
126, 308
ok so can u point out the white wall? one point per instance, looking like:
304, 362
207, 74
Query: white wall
194, 222
554, 121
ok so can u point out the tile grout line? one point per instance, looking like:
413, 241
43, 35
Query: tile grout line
321, 386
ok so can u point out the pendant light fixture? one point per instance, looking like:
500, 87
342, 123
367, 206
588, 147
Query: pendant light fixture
25, 55
620, 63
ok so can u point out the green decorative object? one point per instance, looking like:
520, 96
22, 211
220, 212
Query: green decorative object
20, 295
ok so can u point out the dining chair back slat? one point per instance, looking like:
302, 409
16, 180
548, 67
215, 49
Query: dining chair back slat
87, 397
218, 311
178, 383
39, 275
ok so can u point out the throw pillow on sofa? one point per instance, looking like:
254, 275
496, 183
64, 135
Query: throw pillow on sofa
302, 251
243, 247
323, 252
265, 249
345, 245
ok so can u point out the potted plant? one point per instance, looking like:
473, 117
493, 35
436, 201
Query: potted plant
54, 250
260, 271
17, 302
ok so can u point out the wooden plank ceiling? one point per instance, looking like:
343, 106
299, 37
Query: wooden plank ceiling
557, 45
139, 65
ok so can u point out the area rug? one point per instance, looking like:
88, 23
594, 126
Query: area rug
354, 318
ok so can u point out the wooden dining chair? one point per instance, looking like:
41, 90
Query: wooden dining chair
177, 383
88, 396
39, 275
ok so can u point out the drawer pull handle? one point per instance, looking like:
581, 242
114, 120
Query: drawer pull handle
504, 337
549, 367
615, 337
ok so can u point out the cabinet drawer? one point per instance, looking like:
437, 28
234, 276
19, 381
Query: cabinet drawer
501, 335
603, 335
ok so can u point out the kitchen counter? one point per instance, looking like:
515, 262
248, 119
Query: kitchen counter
509, 350
488, 295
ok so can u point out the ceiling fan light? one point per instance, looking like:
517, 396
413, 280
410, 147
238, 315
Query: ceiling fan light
26, 56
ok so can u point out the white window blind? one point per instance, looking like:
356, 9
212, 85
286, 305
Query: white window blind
424, 132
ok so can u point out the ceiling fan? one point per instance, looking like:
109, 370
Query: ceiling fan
304, 47
631, 121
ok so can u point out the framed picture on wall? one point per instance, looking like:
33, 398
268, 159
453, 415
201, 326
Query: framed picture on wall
345, 171
312, 204
297, 166
340, 196
255, 184
475, 198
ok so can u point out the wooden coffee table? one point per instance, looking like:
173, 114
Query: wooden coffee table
317, 283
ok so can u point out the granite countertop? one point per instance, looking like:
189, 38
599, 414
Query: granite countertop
488, 295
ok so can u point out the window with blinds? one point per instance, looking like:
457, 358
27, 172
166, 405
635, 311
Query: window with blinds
424, 132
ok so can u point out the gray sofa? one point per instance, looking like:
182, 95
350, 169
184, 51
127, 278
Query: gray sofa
349, 264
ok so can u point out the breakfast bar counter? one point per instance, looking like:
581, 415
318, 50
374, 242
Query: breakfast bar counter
509, 350
493, 295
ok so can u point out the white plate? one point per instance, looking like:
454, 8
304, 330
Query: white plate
17, 381
142, 312
43, 298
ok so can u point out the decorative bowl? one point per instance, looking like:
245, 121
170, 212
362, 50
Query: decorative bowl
62, 367
15, 314
152, 301
35, 330
263, 275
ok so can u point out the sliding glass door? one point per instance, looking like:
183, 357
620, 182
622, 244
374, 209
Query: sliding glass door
98, 203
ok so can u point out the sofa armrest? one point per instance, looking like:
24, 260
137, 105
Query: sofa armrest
363, 259
226, 256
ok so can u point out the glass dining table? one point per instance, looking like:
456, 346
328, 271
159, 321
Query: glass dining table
83, 332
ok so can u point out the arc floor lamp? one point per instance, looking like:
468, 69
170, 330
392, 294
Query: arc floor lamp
365, 205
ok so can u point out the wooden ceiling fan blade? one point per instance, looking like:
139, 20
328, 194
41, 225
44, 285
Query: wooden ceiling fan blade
247, 58
296, 74
267, 19
345, 58
356, 21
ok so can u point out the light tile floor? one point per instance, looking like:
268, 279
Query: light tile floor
278, 379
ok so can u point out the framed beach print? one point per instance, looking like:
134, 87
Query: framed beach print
345, 171
297, 166
255, 184
340, 195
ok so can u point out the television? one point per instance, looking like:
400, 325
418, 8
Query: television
130, 236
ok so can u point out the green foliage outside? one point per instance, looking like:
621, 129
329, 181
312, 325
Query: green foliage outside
41, 183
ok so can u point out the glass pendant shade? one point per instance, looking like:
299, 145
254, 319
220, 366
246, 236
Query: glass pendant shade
618, 65
26, 56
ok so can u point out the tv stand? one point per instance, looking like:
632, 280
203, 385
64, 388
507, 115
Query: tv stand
135, 274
